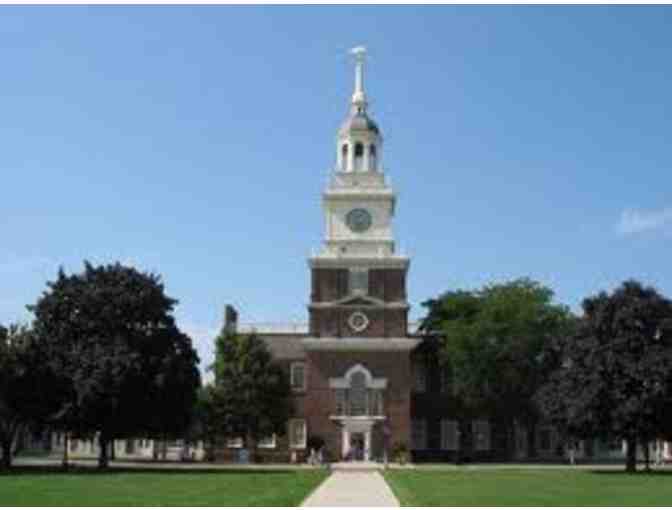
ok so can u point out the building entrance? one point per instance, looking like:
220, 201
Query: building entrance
356, 446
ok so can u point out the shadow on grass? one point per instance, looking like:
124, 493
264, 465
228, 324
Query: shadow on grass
113, 470
639, 472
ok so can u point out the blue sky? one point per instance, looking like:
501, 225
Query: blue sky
195, 142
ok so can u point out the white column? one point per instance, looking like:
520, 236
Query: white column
345, 439
367, 445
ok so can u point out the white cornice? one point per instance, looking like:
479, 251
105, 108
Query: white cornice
379, 344
334, 262
327, 304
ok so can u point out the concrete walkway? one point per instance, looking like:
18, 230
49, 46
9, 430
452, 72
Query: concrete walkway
353, 488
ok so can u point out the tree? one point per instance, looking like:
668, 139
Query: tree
615, 380
29, 391
110, 332
251, 394
174, 390
492, 341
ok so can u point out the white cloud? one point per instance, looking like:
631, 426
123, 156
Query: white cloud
635, 221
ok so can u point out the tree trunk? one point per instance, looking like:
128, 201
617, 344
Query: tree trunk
103, 461
631, 455
113, 450
645, 445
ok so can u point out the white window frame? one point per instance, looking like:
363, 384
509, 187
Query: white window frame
356, 276
454, 443
234, 442
292, 440
414, 428
294, 365
267, 442
479, 427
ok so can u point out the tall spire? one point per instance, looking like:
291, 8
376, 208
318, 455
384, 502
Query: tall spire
358, 96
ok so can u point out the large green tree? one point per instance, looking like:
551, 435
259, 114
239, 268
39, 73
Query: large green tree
492, 341
615, 380
29, 392
251, 394
111, 333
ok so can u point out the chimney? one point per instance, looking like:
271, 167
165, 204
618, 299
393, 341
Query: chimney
230, 319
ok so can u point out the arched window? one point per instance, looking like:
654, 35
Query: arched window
372, 157
344, 157
359, 156
358, 394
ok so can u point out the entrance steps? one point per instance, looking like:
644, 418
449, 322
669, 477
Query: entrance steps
356, 466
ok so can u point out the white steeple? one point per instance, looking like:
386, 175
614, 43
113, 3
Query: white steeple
358, 201
358, 96
359, 139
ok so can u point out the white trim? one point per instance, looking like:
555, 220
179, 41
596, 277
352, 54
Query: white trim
360, 344
292, 366
355, 317
301, 445
234, 442
268, 446
338, 262
341, 383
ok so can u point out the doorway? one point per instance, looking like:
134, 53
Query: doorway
357, 446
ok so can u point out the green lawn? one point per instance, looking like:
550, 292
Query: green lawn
530, 488
154, 488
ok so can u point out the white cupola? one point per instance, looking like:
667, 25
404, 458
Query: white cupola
359, 147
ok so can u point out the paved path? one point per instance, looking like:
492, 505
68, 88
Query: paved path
353, 488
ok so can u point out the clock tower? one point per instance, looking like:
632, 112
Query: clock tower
358, 278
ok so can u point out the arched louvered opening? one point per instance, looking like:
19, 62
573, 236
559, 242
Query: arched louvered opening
359, 156
344, 157
373, 162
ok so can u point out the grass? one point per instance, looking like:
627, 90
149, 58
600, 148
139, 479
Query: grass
530, 488
26, 487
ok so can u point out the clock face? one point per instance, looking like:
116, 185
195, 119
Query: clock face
359, 220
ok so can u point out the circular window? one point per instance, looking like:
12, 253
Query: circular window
358, 322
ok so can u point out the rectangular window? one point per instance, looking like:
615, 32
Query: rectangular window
358, 281
267, 442
341, 402
450, 435
481, 432
419, 435
234, 442
297, 433
298, 376
376, 403
419, 377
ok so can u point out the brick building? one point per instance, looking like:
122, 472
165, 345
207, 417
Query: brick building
362, 380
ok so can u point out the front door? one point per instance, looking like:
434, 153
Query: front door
357, 446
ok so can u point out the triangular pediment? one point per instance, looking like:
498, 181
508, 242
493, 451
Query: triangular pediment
359, 301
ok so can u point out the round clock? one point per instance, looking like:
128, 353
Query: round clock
358, 322
359, 220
